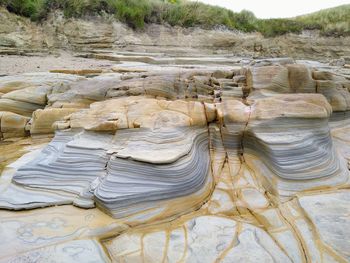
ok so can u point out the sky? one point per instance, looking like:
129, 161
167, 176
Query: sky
277, 8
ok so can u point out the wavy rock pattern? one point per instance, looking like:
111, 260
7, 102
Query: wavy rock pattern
70, 157
129, 173
152, 167
290, 136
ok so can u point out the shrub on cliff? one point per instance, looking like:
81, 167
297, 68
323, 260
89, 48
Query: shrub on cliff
35, 9
276, 27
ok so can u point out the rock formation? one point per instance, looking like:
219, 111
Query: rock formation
176, 164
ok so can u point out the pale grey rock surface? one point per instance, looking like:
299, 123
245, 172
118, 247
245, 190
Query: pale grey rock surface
329, 213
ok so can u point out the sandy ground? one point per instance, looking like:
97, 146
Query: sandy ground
11, 65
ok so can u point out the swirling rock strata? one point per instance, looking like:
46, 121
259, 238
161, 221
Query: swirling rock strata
290, 139
74, 157
137, 171
153, 167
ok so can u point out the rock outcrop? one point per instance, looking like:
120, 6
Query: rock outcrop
276, 133
177, 164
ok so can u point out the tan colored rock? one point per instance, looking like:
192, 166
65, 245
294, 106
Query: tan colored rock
77, 104
297, 78
223, 74
294, 78
83, 92
43, 120
13, 125
81, 72
137, 112
261, 77
346, 86
291, 106
194, 85
40, 79
127, 70
322, 75
34, 95
102, 116
233, 111
19, 107
338, 97
210, 111
12, 86
300, 79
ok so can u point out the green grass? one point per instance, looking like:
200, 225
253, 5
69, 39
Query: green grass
28, 8
332, 21
137, 13
278, 26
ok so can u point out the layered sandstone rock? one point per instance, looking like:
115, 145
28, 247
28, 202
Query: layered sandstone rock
94, 162
19, 35
43, 120
140, 112
296, 124
145, 174
191, 165
297, 78
24, 94
12, 125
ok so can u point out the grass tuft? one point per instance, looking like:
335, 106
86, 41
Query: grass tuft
332, 21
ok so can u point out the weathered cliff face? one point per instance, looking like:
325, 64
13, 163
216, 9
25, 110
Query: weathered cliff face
20, 36
181, 163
